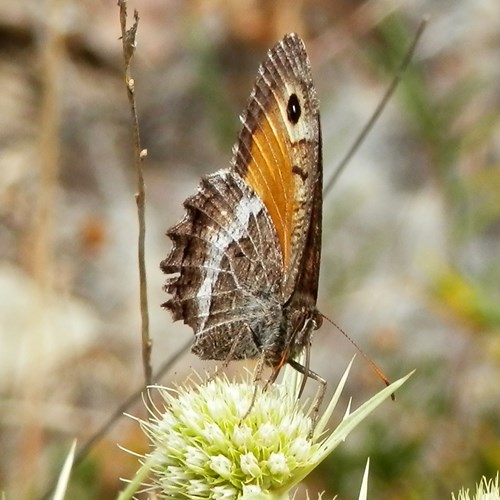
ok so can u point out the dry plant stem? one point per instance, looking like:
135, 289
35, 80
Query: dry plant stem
39, 243
380, 108
51, 55
129, 44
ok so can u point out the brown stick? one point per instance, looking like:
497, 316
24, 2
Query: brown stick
39, 244
129, 44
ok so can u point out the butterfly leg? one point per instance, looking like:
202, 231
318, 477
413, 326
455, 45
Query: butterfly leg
259, 368
321, 389
266, 354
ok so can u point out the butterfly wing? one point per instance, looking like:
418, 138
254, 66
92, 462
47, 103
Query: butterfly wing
227, 263
239, 251
278, 151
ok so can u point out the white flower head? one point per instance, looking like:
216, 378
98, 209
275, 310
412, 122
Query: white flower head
205, 444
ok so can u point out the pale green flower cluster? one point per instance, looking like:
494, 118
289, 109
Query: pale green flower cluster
205, 444
203, 449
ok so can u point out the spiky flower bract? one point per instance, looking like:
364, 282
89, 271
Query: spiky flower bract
485, 490
205, 444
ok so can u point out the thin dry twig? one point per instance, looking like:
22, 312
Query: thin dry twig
39, 243
379, 109
129, 44
52, 55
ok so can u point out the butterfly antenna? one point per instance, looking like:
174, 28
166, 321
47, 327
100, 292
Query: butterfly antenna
370, 361
378, 111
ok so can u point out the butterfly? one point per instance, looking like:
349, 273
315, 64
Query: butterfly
245, 261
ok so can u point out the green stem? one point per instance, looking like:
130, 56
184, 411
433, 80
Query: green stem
137, 482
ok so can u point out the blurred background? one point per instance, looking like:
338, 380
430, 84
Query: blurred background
411, 261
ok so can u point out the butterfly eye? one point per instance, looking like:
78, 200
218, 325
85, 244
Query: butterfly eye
293, 109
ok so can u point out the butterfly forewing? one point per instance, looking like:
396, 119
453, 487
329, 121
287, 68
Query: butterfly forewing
277, 150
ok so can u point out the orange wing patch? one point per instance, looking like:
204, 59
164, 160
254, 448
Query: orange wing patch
277, 153
269, 173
